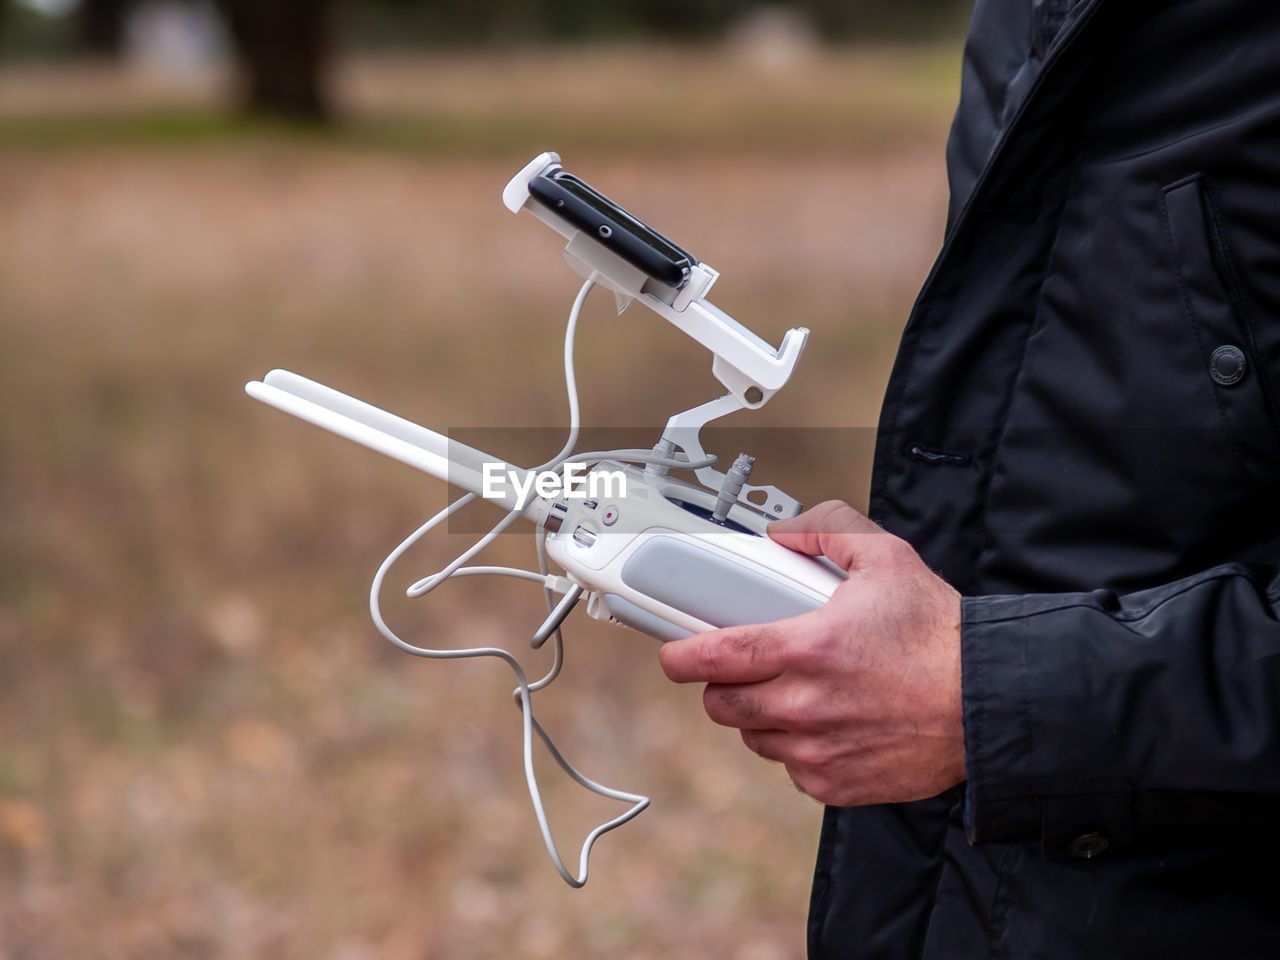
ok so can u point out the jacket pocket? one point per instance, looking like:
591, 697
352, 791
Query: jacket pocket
1213, 305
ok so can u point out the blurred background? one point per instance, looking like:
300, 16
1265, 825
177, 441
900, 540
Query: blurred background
205, 749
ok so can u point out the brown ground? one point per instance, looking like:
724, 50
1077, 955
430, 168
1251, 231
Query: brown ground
205, 750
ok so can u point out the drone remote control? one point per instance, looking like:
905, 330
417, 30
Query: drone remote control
663, 555
647, 556
653, 561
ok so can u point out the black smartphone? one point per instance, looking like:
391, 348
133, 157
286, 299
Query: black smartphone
601, 218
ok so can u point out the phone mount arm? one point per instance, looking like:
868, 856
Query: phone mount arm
682, 433
749, 367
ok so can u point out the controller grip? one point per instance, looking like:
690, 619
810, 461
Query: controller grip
714, 588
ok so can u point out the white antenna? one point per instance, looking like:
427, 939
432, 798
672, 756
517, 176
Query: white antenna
398, 438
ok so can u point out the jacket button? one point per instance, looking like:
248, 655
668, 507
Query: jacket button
1088, 845
1227, 365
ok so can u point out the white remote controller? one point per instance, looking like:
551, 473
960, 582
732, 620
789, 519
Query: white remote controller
646, 555
658, 564
645, 549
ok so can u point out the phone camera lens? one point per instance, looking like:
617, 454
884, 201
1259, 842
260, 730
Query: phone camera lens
606, 231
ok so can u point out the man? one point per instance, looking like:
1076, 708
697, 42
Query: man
1081, 757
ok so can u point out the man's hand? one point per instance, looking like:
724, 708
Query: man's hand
860, 699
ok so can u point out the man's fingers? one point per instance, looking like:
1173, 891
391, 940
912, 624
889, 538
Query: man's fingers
732, 655
770, 744
833, 530
741, 705
781, 747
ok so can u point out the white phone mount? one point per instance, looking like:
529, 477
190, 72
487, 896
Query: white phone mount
751, 369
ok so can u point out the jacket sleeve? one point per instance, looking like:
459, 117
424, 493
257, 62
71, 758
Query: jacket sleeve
1094, 720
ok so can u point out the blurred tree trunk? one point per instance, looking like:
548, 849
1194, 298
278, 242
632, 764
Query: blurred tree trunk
283, 46
100, 27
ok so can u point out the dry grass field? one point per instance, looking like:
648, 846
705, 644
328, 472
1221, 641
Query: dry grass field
205, 749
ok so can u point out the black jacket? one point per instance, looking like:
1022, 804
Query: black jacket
1082, 434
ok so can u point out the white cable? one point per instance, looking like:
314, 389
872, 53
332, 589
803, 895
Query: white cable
529, 724
423, 587
557, 638
524, 689
548, 580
